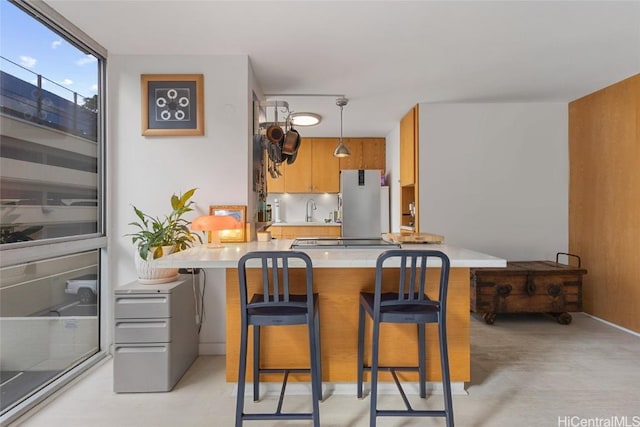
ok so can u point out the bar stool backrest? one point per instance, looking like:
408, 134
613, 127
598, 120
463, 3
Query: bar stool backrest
276, 279
411, 287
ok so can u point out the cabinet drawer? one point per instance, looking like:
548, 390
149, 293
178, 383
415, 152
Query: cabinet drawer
142, 330
142, 368
142, 306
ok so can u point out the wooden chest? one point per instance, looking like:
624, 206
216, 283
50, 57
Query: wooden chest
527, 287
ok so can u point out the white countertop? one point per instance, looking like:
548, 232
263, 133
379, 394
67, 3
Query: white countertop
228, 256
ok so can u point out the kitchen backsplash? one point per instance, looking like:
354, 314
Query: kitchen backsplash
292, 206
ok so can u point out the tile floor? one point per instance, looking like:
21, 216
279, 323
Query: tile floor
526, 370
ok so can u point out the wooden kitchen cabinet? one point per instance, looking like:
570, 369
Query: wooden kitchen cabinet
325, 167
293, 232
297, 178
409, 176
409, 147
315, 169
366, 153
276, 185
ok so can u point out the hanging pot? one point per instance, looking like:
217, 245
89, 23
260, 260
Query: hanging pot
292, 157
291, 142
275, 134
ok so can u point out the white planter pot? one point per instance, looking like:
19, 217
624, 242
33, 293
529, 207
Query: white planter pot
148, 274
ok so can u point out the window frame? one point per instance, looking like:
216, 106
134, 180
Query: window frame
74, 35
23, 252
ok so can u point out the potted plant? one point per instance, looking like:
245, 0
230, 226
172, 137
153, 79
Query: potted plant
158, 236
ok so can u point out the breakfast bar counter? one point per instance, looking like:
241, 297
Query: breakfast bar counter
339, 276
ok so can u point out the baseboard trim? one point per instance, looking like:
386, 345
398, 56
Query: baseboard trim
629, 331
212, 349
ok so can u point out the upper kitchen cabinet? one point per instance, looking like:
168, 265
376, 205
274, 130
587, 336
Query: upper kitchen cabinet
297, 178
315, 169
409, 177
366, 153
276, 185
325, 167
409, 147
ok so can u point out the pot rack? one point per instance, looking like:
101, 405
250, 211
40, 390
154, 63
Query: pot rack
278, 106
283, 106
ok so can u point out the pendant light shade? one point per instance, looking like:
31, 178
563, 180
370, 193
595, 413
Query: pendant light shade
341, 150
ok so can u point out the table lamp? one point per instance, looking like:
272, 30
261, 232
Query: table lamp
215, 224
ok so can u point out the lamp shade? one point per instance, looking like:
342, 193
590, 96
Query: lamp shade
215, 224
341, 150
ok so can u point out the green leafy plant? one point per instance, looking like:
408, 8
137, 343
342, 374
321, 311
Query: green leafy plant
172, 230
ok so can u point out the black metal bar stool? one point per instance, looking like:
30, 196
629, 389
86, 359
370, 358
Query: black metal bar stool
408, 303
276, 306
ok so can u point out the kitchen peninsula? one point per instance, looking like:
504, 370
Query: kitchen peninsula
339, 276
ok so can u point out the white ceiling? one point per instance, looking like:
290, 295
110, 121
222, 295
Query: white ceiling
385, 56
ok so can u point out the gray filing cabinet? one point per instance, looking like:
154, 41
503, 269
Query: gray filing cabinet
156, 335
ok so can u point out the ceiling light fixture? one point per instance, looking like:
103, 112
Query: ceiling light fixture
341, 150
305, 119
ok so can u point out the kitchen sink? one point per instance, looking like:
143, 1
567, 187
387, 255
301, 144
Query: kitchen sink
340, 243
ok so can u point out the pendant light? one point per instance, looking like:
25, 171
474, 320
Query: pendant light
341, 150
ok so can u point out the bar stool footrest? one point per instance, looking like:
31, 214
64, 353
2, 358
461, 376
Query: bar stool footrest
412, 413
278, 416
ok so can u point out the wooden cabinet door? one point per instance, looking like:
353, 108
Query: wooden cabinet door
408, 153
293, 232
325, 167
298, 179
276, 185
374, 153
409, 178
276, 231
333, 231
354, 161
366, 153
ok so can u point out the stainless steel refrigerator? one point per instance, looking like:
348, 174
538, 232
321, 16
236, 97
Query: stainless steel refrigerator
360, 190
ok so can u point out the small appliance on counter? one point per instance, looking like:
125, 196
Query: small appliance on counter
276, 211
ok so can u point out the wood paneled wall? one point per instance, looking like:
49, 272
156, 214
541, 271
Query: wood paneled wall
339, 290
604, 199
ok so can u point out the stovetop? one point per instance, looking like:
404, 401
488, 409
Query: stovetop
342, 243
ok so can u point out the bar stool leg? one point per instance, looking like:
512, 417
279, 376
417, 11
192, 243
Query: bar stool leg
318, 354
421, 361
256, 363
242, 374
375, 344
361, 323
446, 379
315, 386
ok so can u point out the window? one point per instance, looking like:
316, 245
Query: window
52, 236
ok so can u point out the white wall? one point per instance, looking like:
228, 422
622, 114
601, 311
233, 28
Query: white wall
146, 171
494, 177
393, 175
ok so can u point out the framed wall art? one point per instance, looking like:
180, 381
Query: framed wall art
172, 104
233, 224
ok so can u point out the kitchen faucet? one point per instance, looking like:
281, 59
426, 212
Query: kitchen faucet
309, 216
